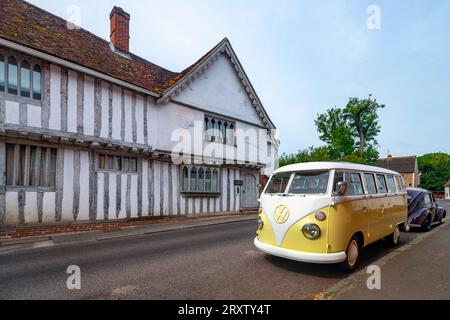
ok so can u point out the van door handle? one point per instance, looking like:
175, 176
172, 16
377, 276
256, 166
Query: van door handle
364, 209
382, 209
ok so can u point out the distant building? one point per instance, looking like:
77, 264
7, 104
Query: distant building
447, 190
406, 166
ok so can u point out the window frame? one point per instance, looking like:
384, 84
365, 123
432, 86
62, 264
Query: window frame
32, 62
207, 170
109, 163
366, 186
213, 130
31, 175
378, 183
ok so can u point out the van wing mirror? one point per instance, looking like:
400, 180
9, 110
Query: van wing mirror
341, 189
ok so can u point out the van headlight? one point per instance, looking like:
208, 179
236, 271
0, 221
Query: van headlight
311, 231
260, 223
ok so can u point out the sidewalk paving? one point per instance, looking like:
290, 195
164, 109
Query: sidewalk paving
11, 245
422, 271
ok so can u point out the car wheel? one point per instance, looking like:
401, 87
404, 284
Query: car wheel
394, 239
353, 253
427, 225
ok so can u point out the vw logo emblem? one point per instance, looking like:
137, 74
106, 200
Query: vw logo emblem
281, 214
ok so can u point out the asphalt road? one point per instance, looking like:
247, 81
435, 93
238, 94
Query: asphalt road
212, 262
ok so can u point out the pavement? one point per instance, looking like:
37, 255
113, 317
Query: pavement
210, 260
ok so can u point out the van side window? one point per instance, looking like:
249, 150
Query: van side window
391, 184
381, 181
355, 187
400, 185
370, 182
338, 177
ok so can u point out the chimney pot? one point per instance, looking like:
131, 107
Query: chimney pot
120, 29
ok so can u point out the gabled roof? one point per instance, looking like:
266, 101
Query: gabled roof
32, 27
447, 184
28, 25
399, 164
190, 74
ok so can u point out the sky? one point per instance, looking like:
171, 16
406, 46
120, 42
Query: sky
304, 57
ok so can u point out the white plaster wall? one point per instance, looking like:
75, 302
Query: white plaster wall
140, 119
72, 102
55, 98
30, 211
12, 208
49, 207
67, 203
128, 117
220, 90
112, 196
34, 116
133, 196
83, 214
145, 188
157, 187
116, 113
11, 112
105, 110
100, 198
89, 109
123, 208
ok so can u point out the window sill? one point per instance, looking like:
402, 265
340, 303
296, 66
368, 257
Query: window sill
20, 99
30, 189
195, 194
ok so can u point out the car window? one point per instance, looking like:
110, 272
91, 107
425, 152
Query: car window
278, 183
381, 183
370, 183
427, 199
315, 182
355, 187
391, 184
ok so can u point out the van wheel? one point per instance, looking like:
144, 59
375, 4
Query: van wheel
353, 253
394, 239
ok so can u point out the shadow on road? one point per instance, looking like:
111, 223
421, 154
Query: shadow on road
369, 255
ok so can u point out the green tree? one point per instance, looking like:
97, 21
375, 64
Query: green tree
435, 169
334, 129
363, 118
308, 155
350, 133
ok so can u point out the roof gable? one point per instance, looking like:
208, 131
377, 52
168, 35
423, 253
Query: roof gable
189, 76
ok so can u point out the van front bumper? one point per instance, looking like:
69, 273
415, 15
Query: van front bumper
320, 258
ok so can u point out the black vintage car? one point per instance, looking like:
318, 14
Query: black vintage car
423, 211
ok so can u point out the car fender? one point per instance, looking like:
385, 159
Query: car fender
418, 216
439, 213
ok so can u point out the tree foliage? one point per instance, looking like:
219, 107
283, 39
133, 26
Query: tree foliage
349, 134
435, 169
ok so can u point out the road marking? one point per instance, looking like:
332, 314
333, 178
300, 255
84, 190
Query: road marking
331, 292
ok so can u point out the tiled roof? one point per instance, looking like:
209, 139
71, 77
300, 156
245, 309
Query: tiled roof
447, 184
399, 164
28, 25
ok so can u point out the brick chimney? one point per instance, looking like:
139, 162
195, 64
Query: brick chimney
120, 29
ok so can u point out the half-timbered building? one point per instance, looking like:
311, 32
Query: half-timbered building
90, 132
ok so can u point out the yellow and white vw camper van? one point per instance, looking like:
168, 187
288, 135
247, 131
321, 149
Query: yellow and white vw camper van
325, 212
